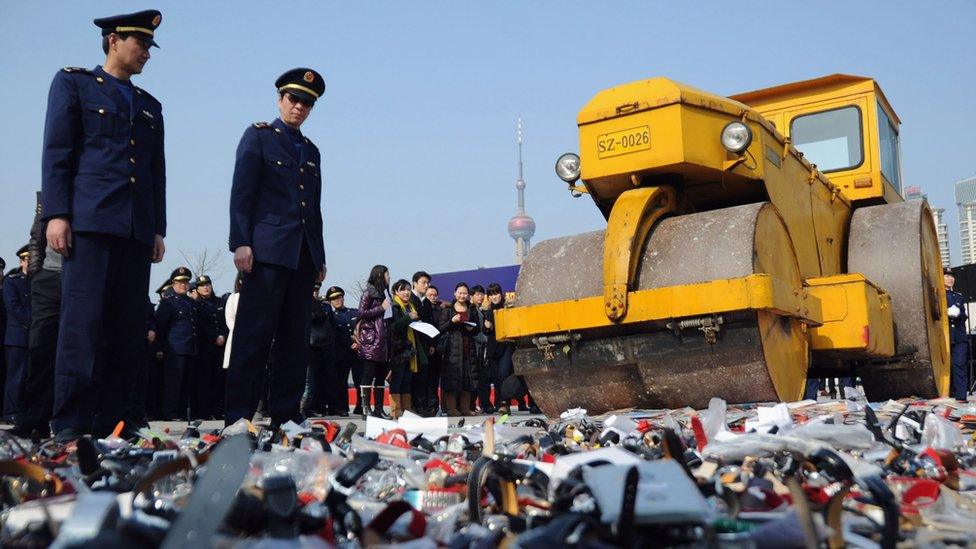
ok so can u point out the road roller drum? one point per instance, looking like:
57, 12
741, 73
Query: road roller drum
748, 356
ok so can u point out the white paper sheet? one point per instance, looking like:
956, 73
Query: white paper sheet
430, 427
423, 327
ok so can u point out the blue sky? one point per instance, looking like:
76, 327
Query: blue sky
417, 125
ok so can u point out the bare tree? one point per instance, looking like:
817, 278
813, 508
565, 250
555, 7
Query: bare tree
206, 262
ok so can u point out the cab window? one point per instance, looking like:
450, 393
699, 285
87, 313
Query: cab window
888, 136
830, 139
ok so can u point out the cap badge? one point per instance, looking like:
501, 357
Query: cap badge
309, 77
157, 20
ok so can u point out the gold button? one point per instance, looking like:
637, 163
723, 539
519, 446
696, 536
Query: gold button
303, 203
301, 170
101, 111
132, 141
99, 79
301, 187
279, 162
132, 160
132, 179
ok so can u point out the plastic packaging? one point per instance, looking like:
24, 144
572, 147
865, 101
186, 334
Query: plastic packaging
940, 433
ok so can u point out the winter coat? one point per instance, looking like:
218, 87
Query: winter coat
373, 329
323, 324
459, 367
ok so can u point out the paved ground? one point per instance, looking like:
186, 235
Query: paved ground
176, 427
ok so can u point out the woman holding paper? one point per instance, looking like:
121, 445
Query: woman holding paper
459, 370
405, 355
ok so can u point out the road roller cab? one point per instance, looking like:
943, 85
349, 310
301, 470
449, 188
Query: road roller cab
845, 125
730, 264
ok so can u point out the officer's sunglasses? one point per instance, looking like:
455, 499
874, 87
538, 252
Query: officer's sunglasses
296, 99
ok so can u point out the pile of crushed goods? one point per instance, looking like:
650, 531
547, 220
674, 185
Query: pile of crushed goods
829, 473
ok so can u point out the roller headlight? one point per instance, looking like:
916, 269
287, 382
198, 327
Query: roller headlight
568, 167
736, 137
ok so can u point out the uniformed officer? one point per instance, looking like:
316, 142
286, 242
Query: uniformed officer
958, 337
103, 193
346, 359
208, 374
321, 358
276, 237
17, 302
176, 324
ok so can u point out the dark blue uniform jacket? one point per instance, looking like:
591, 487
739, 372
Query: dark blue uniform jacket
16, 299
176, 322
345, 323
957, 326
102, 164
210, 313
276, 196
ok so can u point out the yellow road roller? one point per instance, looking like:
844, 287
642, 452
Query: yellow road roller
751, 241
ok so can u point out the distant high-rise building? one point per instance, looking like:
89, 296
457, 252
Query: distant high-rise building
914, 192
942, 230
521, 227
966, 202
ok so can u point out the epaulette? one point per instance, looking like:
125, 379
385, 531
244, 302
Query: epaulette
141, 91
262, 125
80, 70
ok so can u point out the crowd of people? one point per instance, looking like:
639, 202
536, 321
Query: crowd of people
356, 354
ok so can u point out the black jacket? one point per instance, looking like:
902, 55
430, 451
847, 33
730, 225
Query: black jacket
323, 331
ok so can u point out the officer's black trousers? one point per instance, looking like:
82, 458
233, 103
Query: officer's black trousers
433, 382
321, 359
959, 380
337, 380
16, 372
38, 391
100, 340
275, 304
153, 383
218, 382
488, 377
206, 383
419, 388
176, 370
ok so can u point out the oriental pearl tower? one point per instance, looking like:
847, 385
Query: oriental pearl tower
521, 227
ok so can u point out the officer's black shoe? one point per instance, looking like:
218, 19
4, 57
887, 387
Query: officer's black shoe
67, 435
535, 410
343, 413
357, 411
378, 412
22, 431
